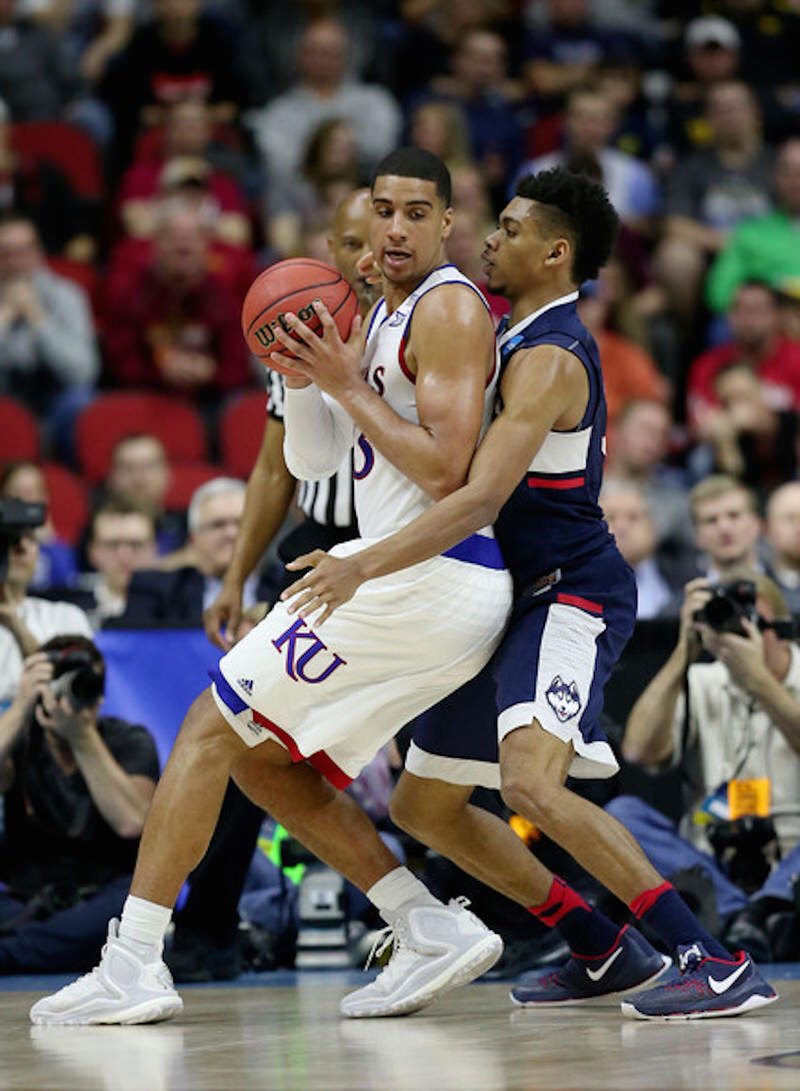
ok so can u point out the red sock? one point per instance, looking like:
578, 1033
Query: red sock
663, 909
588, 932
561, 900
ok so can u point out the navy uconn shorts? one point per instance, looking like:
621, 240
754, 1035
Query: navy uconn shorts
564, 638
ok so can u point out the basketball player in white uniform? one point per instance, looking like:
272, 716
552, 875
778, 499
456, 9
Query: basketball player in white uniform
292, 712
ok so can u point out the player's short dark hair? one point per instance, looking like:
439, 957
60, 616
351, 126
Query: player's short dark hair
417, 163
578, 208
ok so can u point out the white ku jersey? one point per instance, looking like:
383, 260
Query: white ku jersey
385, 499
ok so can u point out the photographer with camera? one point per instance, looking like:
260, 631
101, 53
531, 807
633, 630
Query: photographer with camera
76, 788
733, 725
26, 622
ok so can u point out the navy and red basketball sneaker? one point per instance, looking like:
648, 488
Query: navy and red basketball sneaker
707, 988
630, 964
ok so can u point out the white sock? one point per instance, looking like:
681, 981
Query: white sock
144, 924
396, 888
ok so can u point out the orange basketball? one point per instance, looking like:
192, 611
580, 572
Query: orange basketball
292, 286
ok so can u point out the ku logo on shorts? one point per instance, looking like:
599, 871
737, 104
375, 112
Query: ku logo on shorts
299, 660
563, 698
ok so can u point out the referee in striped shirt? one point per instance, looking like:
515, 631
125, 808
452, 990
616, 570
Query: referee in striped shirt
205, 941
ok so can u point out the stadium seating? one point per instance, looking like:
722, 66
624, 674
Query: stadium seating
19, 433
69, 501
111, 417
66, 147
185, 477
241, 427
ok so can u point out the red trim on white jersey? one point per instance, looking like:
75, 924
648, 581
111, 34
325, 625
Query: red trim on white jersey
401, 359
320, 761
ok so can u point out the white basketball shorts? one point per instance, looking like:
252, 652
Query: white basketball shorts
334, 695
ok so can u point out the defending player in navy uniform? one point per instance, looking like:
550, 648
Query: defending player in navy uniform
536, 476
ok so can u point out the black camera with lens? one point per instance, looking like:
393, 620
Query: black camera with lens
76, 676
17, 517
728, 605
742, 848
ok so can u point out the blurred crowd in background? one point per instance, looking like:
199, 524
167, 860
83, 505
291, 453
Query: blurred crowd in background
156, 154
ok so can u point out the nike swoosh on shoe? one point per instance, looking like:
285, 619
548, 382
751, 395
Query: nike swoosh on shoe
721, 986
596, 975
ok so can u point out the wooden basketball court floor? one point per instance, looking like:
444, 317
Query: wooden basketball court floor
282, 1032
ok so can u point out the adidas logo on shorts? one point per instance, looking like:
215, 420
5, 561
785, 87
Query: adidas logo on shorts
246, 684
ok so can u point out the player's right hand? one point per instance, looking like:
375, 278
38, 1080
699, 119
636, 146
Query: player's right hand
221, 619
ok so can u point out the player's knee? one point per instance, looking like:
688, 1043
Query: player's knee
408, 812
204, 729
515, 794
420, 811
528, 795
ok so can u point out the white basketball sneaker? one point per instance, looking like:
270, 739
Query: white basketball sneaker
124, 988
436, 948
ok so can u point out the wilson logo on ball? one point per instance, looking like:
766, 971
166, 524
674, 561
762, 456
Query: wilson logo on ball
265, 335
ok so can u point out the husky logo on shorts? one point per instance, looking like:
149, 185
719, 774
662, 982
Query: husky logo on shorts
563, 698
296, 664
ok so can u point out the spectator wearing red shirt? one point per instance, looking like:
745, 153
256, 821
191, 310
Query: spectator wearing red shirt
185, 157
172, 324
756, 342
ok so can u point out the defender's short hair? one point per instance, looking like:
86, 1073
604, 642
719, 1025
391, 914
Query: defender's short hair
578, 208
716, 485
417, 163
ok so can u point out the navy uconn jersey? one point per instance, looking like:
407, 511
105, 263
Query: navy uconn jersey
552, 519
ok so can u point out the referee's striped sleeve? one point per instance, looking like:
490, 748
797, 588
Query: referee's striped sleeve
329, 502
276, 394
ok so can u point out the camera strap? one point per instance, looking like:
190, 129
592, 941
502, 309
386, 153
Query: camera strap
685, 726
